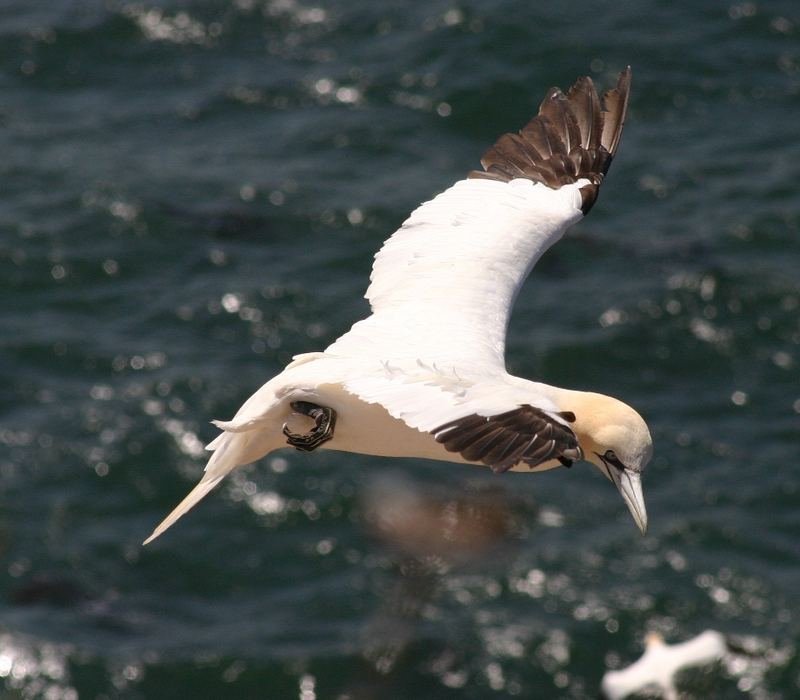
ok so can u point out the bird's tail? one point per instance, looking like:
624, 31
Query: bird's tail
194, 496
231, 449
255, 430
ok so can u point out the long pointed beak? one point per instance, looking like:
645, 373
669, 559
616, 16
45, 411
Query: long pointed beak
629, 484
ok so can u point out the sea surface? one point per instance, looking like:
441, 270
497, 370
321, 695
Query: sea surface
191, 192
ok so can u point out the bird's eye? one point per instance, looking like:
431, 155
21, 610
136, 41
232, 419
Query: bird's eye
611, 456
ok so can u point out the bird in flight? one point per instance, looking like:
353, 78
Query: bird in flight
655, 672
424, 375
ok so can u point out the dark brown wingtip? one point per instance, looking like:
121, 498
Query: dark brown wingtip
573, 137
615, 103
524, 434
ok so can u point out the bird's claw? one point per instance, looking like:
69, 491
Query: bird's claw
324, 422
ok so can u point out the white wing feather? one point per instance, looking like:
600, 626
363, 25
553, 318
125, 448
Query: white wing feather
443, 285
442, 289
427, 400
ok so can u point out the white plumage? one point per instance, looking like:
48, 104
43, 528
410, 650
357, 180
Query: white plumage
655, 671
442, 287
424, 375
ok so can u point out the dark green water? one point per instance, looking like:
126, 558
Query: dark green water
192, 192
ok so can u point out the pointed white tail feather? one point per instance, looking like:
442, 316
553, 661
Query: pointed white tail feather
195, 495
228, 449
215, 443
231, 426
241, 426
231, 450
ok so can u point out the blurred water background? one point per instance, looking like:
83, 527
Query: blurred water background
192, 192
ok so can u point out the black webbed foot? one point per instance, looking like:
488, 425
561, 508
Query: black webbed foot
324, 423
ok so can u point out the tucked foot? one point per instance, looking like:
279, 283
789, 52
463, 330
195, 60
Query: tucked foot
324, 423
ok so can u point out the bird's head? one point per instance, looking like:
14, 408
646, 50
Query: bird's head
616, 440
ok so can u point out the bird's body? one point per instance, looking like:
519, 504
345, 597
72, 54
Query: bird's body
424, 375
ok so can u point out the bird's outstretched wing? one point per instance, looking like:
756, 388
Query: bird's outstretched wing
443, 285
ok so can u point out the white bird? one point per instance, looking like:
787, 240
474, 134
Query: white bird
656, 669
424, 375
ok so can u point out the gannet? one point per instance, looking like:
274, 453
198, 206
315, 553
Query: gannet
424, 375
655, 671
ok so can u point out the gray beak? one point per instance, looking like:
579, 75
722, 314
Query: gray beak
629, 484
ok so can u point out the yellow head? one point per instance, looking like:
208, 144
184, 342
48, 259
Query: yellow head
616, 440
